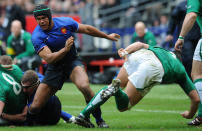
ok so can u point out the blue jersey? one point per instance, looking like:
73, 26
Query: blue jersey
55, 39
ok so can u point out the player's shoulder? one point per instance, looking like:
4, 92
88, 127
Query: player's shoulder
26, 34
17, 68
63, 21
38, 33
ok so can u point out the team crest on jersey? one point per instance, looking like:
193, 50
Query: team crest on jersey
64, 30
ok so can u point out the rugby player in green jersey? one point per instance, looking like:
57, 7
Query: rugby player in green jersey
194, 13
12, 99
144, 67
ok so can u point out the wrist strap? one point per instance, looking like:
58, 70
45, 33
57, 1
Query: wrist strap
181, 37
124, 53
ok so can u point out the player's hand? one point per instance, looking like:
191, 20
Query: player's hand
169, 37
186, 115
113, 37
179, 45
122, 54
69, 43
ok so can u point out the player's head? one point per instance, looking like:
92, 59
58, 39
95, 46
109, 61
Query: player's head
43, 16
6, 62
16, 27
30, 82
178, 55
140, 28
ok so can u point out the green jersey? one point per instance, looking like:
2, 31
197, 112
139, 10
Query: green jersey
148, 38
196, 6
11, 92
21, 46
174, 71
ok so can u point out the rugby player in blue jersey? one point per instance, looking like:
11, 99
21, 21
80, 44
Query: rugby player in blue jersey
50, 113
53, 41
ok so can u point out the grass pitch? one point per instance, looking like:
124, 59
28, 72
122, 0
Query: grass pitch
158, 111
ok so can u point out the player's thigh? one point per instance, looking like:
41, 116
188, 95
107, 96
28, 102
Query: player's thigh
133, 94
123, 76
196, 70
43, 93
80, 79
79, 76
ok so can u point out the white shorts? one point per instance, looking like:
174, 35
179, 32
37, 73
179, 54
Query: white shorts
198, 51
144, 70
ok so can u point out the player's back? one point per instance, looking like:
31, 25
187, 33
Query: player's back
174, 71
11, 92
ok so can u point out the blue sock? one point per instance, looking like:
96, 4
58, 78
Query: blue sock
97, 114
65, 116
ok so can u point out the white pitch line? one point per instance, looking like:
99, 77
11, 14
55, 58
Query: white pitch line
135, 110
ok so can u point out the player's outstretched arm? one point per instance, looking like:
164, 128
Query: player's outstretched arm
194, 105
90, 30
136, 46
52, 57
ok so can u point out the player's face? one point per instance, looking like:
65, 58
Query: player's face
43, 22
140, 31
28, 89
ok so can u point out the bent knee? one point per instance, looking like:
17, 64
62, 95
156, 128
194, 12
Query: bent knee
36, 106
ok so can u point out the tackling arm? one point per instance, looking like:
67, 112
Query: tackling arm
13, 118
17, 117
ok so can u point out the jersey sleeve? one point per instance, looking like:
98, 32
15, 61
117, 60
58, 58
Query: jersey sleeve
186, 84
73, 26
38, 43
193, 6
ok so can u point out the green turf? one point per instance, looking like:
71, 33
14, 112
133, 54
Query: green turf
159, 110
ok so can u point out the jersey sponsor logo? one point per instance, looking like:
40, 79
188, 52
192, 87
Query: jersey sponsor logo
64, 30
16, 86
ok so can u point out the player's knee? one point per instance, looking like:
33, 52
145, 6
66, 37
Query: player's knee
35, 109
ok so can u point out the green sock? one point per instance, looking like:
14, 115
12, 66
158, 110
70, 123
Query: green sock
93, 104
200, 110
198, 85
121, 99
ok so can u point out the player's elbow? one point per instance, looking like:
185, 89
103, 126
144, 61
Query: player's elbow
193, 15
196, 100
